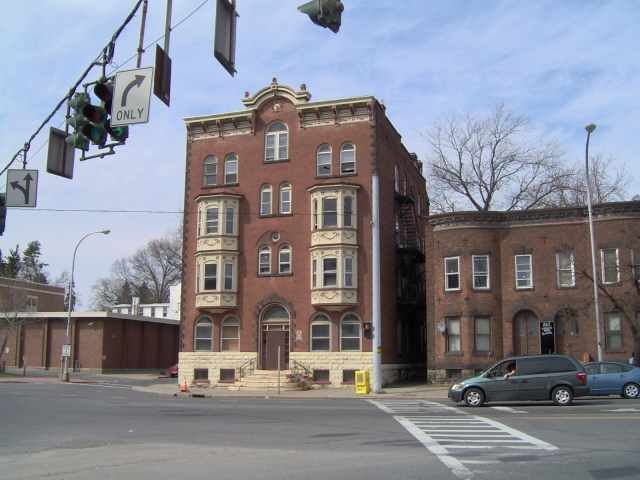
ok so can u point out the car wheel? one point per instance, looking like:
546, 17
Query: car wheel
631, 390
562, 395
474, 397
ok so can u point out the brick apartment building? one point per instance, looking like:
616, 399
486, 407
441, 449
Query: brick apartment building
518, 283
278, 240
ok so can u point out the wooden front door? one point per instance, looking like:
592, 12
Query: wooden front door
526, 334
273, 338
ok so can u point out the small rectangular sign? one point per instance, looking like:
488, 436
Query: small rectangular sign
22, 188
162, 79
66, 350
61, 154
131, 97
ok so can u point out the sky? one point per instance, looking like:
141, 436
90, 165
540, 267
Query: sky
562, 64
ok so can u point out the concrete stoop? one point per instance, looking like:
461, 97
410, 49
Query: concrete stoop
264, 380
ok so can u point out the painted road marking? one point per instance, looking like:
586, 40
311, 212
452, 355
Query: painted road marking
508, 409
624, 410
447, 432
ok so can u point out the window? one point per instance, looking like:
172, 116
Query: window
323, 160
320, 334
227, 375
229, 221
210, 276
265, 200
230, 335
210, 171
396, 179
614, 331
321, 376
329, 212
284, 259
453, 335
201, 374
348, 272
31, 304
347, 209
203, 336
276, 143
348, 377
452, 273
212, 220
315, 214
228, 276
609, 265
314, 273
524, 275
565, 267
329, 271
285, 199
264, 261
635, 263
350, 334
482, 334
348, 159
480, 272
231, 169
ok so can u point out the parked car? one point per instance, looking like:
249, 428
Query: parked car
613, 378
558, 378
172, 371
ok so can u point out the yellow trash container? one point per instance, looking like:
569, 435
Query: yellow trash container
362, 382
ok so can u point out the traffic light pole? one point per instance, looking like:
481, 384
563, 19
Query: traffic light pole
141, 41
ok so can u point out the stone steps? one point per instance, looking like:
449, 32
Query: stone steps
262, 380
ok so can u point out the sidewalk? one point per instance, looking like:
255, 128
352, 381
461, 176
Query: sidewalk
413, 391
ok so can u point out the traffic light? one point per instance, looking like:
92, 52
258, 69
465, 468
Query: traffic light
3, 212
89, 122
104, 91
326, 13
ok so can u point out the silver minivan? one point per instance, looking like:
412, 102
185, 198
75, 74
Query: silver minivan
558, 378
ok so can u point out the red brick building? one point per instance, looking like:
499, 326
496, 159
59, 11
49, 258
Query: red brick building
278, 239
517, 283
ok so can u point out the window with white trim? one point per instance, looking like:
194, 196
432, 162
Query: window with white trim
203, 335
231, 169
210, 171
265, 200
480, 272
348, 272
228, 276
323, 160
321, 334
264, 260
329, 212
396, 179
329, 272
347, 209
229, 221
285, 199
610, 265
210, 276
524, 271
315, 214
314, 273
350, 333
212, 220
453, 334
565, 269
230, 335
347, 159
452, 273
614, 331
284, 259
276, 143
482, 334
635, 262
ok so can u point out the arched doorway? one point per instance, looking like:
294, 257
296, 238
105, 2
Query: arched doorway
526, 335
274, 338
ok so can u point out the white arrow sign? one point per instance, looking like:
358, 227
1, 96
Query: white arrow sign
131, 97
22, 188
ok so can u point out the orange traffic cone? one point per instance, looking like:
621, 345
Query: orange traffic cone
183, 387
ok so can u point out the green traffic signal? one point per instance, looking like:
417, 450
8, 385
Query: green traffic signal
118, 134
326, 13
89, 122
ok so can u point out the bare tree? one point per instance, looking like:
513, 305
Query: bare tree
13, 304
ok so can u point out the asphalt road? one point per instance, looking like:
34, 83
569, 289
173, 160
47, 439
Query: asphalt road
72, 431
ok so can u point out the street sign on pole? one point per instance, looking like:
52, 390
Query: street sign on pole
22, 188
162, 80
66, 350
131, 97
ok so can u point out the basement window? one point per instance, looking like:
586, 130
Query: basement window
227, 375
321, 376
348, 377
200, 374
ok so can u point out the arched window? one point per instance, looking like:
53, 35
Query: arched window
347, 211
265, 200
347, 159
231, 168
276, 143
210, 171
203, 338
285, 199
323, 160
264, 260
320, 334
350, 333
230, 335
284, 259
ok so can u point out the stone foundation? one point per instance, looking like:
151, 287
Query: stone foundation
335, 362
213, 361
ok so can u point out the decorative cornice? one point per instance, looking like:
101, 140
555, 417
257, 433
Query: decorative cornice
277, 90
495, 218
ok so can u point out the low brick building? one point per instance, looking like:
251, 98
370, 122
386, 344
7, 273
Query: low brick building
518, 283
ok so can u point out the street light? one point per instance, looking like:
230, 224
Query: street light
65, 355
590, 128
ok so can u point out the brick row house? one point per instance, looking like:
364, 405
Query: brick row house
519, 283
278, 237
